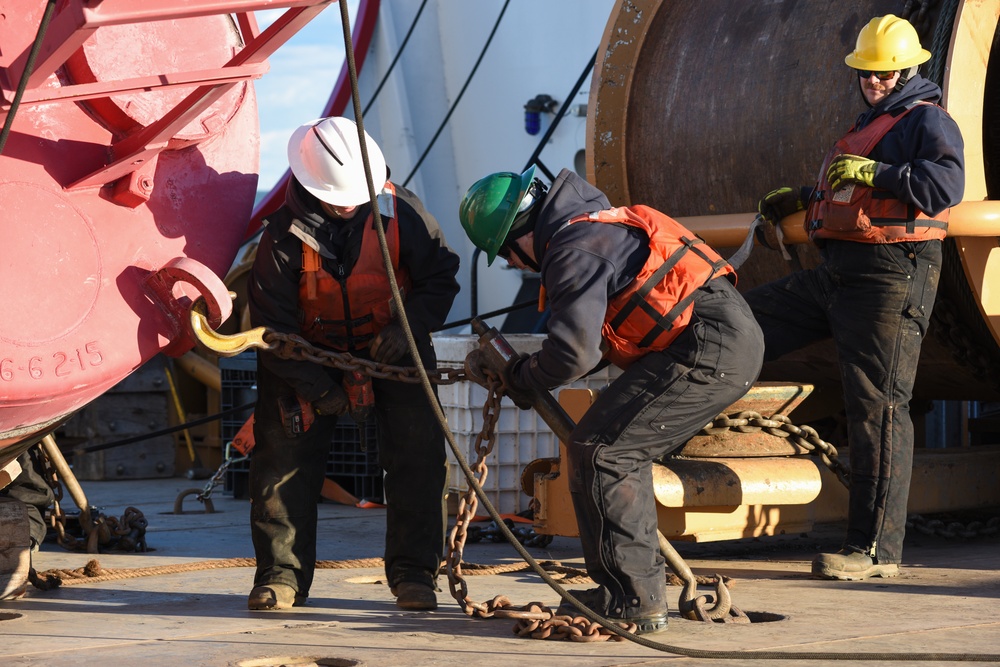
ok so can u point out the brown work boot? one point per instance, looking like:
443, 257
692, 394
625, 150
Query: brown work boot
414, 595
273, 596
847, 565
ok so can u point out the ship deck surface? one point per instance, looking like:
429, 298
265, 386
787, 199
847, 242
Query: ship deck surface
947, 599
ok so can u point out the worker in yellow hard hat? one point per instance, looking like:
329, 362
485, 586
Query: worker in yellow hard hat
878, 214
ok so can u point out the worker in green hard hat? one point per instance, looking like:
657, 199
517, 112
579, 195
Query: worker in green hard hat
631, 287
878, 215
496, 210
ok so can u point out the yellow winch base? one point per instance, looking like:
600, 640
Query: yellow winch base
721, 498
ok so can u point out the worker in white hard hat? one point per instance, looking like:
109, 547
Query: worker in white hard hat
319, 273
878, 214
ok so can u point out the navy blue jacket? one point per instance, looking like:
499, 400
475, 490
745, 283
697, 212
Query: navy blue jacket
582, 266
923, 156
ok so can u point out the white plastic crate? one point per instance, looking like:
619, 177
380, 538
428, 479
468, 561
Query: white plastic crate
522, 436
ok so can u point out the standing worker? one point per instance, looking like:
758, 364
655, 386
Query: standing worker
319, 274
632, 287
878, 215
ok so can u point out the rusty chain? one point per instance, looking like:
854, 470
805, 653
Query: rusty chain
536, 620
533, 619
468, 502
290, 346
953, 529
57, 517
126, 534
802, 437
808, 441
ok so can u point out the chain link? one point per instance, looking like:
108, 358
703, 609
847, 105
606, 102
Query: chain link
802, 437
127, 533
806, 438
533, 619
290, 346
953, 529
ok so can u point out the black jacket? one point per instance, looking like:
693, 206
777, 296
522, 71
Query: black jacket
274, 281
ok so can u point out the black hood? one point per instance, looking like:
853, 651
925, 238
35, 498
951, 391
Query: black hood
303, 216
917, 89
569, 197
307, 211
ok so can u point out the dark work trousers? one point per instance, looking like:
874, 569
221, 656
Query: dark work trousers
653, 408
31, 489
875, 300
286, 477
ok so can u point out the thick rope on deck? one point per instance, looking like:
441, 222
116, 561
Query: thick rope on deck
93, 573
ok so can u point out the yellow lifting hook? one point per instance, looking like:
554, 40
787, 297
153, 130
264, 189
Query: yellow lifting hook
222, 344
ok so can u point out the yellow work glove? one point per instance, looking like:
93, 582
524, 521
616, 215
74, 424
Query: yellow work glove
848, 168
779, 203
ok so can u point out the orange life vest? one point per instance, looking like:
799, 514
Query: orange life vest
657, 305
857, 212
346, 313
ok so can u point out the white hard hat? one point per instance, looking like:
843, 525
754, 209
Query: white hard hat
325, 156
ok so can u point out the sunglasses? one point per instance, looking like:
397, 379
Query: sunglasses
882, 76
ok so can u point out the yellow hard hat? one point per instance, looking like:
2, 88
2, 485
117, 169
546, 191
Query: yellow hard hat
887, 43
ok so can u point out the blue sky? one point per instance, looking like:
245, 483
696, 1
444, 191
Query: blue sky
298, 85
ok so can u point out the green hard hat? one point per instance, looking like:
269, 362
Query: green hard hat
489, 207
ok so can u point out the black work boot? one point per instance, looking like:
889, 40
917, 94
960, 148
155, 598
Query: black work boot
598, 600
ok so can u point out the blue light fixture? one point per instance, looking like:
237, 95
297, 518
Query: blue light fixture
533, 109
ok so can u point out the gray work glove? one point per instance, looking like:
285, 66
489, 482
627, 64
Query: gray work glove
390, 344
477, 362
523, 396
333, 402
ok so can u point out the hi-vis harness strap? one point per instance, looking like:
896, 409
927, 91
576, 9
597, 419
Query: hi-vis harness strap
866, 214
311, 263
649, 313
639, 298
